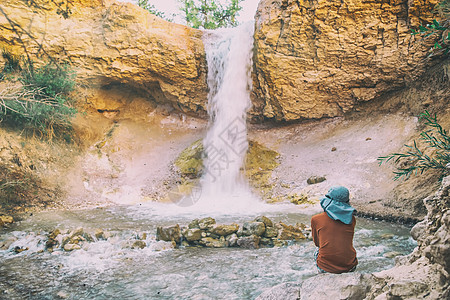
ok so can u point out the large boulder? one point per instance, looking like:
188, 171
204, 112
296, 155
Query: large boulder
169, 233
321, 58
351, 286
289, 232
223, 229
285, 291
252, 228
115, 47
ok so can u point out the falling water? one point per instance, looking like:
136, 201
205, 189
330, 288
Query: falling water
229, 58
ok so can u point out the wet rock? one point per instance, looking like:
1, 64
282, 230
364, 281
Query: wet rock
232, 240
271, 232
301, 226
289, 232
206, 223
5, 244
190, 160
387, 236
65, 240
54, 234
194, 224
169, 233
279, 243
249, 242
71, 247
141, 236
213, 243
1, 223
79, 232
315, 179
52, 240
224, 230
6, 219
214, 236
193, 234
19, 249
99, 234
62, 295
76, 240
162, 245
252, 228
298, 199
260, 162
265, 220
266, 242
138, 244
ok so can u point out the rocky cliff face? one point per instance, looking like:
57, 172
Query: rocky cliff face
115, 46
424, 274
312, 59
321, 58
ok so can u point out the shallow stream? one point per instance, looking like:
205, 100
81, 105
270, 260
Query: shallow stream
108, 270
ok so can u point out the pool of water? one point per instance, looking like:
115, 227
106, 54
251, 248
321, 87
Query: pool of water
107, 270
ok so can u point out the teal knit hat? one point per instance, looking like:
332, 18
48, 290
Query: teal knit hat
336, 204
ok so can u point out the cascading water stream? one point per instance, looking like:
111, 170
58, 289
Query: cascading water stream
229, 58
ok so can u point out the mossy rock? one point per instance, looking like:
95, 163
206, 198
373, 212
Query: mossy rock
300, 199
190, 160
259, 164
260, 161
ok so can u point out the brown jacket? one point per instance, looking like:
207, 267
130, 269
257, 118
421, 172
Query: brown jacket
335, 242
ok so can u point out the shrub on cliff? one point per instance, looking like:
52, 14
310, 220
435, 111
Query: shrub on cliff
145, 4
210, 14
42, 103
415, 160
12, 63
439, 29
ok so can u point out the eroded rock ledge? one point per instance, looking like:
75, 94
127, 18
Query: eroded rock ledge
118, 46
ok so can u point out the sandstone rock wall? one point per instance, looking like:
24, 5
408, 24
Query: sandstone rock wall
320, 58
115, 44
312, 59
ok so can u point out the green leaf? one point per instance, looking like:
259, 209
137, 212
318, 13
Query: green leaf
437, 46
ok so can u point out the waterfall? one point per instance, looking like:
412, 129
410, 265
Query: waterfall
229, 58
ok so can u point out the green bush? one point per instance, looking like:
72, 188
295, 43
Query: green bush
415, 160
43, 102
439, 29
12, 63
